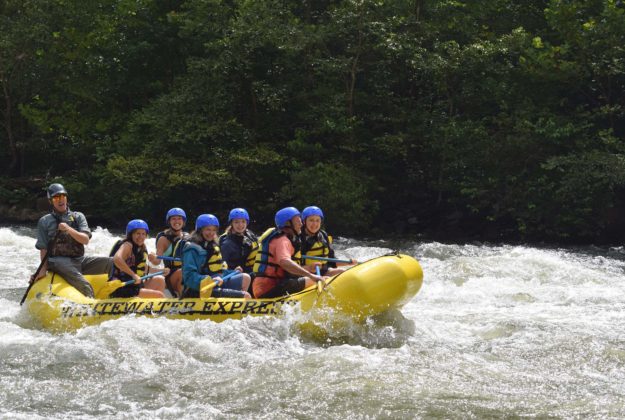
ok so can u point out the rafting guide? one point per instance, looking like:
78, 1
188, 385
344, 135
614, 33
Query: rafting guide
61, 238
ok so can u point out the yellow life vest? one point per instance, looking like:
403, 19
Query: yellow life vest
251, 258
214, 263
318, 245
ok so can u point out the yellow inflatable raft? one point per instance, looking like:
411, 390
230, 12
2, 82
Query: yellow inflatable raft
367, 289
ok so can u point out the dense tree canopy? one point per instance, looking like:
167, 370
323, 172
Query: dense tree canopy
491, 119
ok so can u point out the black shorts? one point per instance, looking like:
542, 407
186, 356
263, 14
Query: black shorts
287, 286
217, 292
129, 291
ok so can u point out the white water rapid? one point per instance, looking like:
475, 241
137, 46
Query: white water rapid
496, 331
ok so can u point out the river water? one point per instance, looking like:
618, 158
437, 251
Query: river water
496, 331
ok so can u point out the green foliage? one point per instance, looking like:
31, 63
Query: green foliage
343, 194
497, 119
11, 194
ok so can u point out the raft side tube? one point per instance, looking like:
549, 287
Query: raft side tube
371, 288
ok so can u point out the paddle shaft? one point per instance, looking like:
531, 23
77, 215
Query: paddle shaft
147, 276
164, 258
34, 278
312, 257
43, 261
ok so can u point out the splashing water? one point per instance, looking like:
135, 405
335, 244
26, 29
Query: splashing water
495, 331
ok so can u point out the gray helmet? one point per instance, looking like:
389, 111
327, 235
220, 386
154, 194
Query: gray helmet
55, 189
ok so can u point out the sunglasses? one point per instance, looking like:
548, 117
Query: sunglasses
59, 196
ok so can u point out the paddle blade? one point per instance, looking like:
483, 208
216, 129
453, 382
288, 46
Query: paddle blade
320, 286
109, 288
206, 287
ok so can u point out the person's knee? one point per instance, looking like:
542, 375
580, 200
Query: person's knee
246, 282
85, 288
159, 283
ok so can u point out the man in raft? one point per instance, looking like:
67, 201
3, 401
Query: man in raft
61, 238
277, 262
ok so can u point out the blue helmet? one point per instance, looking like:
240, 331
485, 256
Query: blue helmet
136, 224
176, 211
284, 215
312, 211
238, 213
206, 220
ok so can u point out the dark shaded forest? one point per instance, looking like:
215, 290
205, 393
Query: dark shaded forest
492, 120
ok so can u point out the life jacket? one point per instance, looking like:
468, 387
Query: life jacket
317, 245
264, 259
213, 264
137, 260
65, 245
248, 245
173, 250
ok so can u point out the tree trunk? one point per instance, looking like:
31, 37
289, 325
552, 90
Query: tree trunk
8, 128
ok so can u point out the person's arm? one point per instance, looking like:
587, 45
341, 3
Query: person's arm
120, 261
283, 251
191, 268
80, 237
83, 233
43, 240
161, 246
44, 267
292, 267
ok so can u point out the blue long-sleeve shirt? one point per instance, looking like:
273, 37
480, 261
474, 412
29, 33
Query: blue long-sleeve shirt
193, 265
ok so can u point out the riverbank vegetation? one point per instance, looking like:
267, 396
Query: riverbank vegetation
490, 119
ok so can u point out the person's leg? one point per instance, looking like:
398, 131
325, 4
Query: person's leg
297, 284
174, 282
235, 282
238, 282
277, 291
69, 269
149, 293
190, 293
219, 292
247, 280
334, 271
97, 265
155, 284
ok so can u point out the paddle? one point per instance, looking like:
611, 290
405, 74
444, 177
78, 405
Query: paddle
207, 284
312, 257
320, 284
164, 258
33, 278
113, 285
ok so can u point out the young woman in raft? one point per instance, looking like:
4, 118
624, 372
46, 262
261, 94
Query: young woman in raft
316, 242
201, 260
238, 244
166, 242
130, 258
